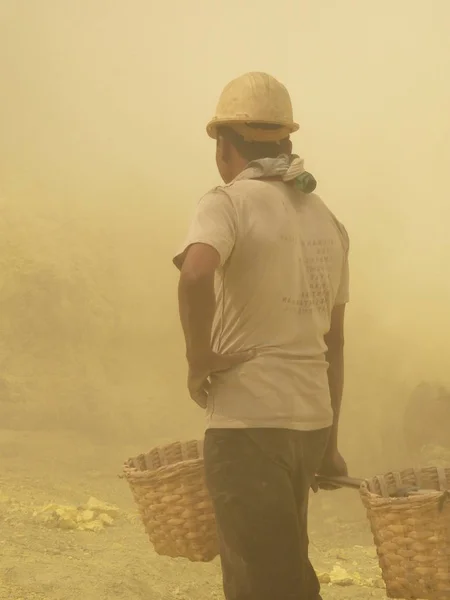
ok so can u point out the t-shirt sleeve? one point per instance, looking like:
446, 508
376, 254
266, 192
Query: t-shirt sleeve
214, 223
343, 293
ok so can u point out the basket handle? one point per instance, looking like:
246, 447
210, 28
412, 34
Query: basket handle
404, 492
340, 482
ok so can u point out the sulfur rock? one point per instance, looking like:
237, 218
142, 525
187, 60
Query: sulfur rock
324, 578
340, 576
65, 522
105, 519
86, 516
92, 516
100, 507
95, 526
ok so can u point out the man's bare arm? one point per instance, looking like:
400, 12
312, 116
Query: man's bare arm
335, 357
196, 299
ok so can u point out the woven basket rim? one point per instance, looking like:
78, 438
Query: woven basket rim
367, 484
177, 466
131, 471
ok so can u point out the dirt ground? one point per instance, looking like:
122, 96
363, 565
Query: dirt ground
41, 562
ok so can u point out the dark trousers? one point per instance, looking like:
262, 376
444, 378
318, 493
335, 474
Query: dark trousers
259, 481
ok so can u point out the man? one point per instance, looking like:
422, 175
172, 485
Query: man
262, 293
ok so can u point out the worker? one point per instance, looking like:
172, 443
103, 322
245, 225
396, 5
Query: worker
262, 292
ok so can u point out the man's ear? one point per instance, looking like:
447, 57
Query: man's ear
285, 146
288, 146
223, 149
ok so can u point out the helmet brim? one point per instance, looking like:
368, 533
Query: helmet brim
214, 124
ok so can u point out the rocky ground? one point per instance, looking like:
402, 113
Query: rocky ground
69, 530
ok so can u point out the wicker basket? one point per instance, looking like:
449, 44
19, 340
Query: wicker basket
169, 488
412, 534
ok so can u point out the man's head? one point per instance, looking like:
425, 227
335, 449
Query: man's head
234, 152
253, 120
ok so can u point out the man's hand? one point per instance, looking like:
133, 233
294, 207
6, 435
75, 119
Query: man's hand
333, 465
202, 366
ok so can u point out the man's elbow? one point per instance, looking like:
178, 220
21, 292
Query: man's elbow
193, 278
195, 283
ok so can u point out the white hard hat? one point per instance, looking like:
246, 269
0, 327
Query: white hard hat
255, 98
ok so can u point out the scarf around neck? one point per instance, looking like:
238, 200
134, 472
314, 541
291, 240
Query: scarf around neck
288, 168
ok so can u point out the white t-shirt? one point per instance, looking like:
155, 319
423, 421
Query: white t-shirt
283, 267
